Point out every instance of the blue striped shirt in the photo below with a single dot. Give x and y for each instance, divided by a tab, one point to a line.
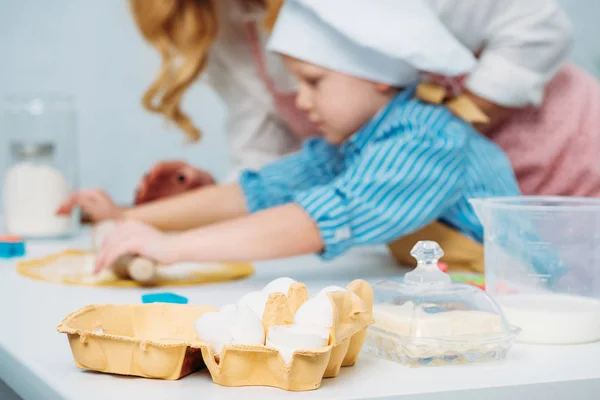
410	165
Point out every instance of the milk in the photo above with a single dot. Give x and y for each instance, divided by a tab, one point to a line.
553	318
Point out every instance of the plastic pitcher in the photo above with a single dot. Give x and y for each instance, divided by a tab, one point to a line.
542	256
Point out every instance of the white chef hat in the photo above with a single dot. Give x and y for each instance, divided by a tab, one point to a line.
386	41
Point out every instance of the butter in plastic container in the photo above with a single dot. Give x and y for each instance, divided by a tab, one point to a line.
427	319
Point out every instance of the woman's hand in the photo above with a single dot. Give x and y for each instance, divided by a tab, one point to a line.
169	178
94	202
139	239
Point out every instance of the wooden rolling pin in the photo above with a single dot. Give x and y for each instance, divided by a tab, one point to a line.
139	269
128	266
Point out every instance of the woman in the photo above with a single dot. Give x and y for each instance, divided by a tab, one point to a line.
223	40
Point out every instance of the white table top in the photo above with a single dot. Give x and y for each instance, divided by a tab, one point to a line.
36	361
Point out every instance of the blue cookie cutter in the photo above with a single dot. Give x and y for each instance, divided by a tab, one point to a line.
165	297
11	247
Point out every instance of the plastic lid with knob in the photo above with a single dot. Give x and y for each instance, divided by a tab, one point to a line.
426	318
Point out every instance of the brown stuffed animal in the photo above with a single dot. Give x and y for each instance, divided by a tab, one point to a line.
170	178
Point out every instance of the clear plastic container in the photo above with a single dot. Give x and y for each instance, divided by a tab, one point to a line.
542	265
427	319
42	166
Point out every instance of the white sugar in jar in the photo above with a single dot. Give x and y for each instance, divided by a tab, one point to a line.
42	169
32	195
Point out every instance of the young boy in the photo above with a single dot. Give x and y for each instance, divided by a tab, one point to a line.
386	166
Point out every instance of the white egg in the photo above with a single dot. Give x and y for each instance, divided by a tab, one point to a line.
213	328
279	285
256	301
331	289
228	308
316	311
290	338
232	325
300	336
247	328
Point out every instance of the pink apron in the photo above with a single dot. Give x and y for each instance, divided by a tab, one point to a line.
555	149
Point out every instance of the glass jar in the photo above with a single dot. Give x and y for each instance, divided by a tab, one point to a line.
41	167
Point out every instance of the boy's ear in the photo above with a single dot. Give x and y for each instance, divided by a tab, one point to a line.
382	88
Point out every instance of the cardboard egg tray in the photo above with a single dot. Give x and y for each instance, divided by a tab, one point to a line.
159	341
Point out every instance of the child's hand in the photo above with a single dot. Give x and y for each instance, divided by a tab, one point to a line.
94	202
137	238
169	178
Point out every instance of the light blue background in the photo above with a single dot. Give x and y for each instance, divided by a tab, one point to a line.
93	50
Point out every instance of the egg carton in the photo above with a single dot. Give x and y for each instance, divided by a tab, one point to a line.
147	340
159	341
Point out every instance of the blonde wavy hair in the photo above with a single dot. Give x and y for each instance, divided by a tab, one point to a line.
183	32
